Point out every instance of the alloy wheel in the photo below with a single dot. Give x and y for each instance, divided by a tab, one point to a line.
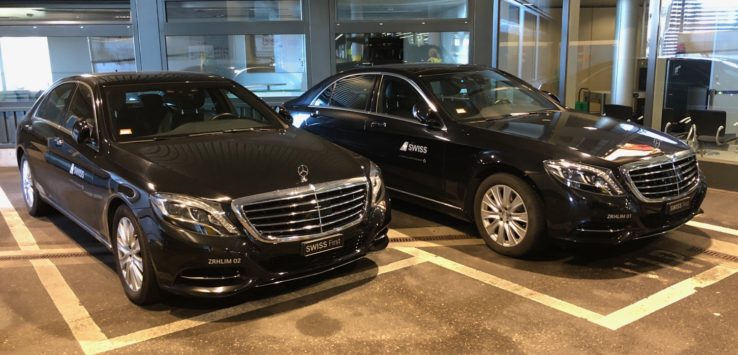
129	254
504	215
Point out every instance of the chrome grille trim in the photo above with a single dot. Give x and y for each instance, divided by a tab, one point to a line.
306	212
663	178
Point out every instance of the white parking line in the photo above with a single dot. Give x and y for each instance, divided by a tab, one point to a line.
425	232
18	229
665	297
713	227
178	326
84	329
44	253
503	284
612	321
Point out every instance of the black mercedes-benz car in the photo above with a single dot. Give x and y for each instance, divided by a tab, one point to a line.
483	145
195	184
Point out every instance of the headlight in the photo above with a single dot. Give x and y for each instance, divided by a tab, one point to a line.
583	177
194	214
376	183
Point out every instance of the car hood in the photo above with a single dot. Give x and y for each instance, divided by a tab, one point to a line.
596	136
232	165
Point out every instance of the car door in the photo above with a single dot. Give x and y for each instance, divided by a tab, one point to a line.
45	129
83	187
339	113
410	153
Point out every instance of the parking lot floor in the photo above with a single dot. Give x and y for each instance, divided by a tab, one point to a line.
436	289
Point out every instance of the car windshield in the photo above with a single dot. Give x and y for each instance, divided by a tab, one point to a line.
484	95
165	110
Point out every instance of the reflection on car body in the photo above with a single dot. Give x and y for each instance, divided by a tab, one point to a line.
195	184
483	145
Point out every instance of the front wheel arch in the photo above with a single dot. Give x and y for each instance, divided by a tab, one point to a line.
486	171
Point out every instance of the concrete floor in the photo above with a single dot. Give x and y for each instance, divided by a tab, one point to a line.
436	289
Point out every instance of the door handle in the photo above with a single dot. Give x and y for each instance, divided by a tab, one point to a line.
374	124
314	113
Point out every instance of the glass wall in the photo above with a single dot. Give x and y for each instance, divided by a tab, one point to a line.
269	65
366	49
698	57
259	44
530	41
209	11
53	58
351	10
65	12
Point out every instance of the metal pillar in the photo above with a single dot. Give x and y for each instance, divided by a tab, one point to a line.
624	58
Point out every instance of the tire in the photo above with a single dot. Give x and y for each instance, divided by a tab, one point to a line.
132	259
517	229
37	207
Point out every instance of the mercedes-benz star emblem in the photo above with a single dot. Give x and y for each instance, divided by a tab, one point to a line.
303	171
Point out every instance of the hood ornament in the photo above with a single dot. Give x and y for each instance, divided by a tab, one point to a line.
303	171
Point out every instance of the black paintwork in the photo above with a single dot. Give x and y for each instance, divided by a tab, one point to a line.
461	154
88	181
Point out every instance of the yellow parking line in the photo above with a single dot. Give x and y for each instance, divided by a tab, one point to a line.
178	326
18	229
713	227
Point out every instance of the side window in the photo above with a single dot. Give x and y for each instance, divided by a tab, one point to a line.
398	97
81	107
325	97
54	108
353	92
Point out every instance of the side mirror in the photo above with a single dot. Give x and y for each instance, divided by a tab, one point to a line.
82	131
553	97
421	112
284	114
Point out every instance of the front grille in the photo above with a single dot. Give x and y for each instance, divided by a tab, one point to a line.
305	212
662	179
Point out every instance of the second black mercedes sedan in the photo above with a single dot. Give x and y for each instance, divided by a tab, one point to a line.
483	145
195	184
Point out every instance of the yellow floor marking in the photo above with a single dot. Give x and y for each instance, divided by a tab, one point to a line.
713	227
84	329
18	229
159	331
503	284
665	297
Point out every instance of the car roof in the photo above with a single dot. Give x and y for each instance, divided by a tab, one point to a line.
419	69
144	78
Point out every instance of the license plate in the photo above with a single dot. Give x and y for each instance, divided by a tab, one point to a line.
677	206
321	245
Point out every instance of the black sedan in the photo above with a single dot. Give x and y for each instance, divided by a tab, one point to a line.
483	145
195	184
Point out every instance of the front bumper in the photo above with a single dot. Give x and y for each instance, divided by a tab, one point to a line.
192	264
583	217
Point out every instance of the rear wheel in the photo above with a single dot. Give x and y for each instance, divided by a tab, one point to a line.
509	215
36	206
132	261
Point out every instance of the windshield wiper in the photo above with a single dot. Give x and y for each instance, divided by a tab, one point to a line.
232	130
